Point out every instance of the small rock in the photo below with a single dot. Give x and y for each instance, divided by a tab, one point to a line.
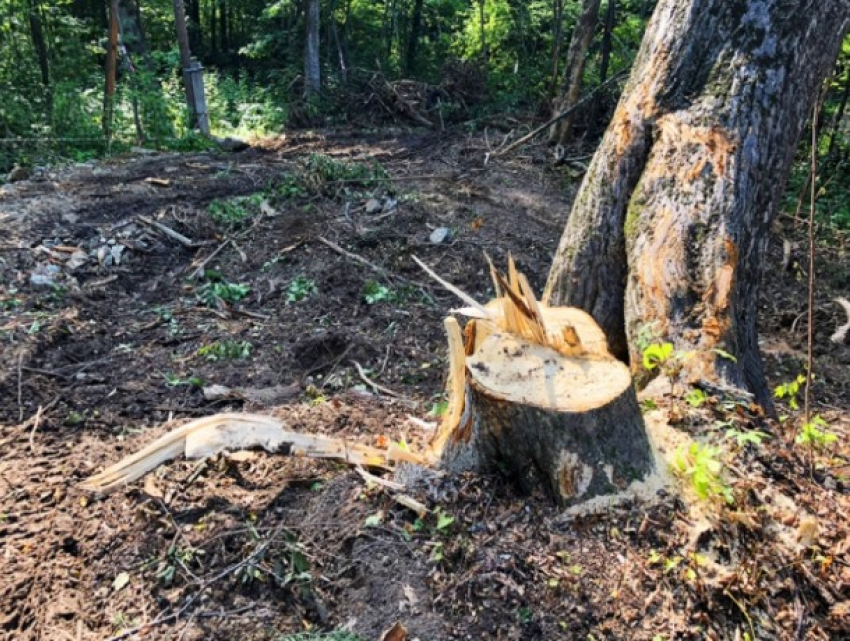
45	276
373	206
77	260
439	235
115	252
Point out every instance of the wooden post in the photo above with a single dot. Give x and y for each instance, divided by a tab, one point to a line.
195	75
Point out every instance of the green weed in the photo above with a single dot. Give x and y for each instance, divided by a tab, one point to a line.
701	466
299	289
226	350
213	294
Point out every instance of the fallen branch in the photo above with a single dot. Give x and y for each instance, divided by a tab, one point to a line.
581	103
180	238
359	259
196	274
211	435
373	384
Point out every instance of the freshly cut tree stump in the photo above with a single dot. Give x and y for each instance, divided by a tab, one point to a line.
535	394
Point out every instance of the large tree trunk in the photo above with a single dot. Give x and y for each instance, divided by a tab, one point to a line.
670	225
576	55
413	40
312	71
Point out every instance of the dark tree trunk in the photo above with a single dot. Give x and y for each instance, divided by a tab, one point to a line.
670	225
604	63
193	12
413	41
312	69
111	68
561	131
185	59
223	33
558	37
132	33
39	42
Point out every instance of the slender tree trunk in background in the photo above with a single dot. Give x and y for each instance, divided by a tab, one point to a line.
839	115
312	69
670	226
604	64
222	30
558	37
413	41
39	43
561	131
111	68
185	60
213	30
340	53
193	9
482	25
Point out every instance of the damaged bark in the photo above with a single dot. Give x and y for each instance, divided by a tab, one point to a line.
669	229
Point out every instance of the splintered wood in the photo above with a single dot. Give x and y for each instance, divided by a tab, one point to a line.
534	391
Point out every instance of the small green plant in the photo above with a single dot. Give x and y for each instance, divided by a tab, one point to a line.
814	433
299	289
374	292
657	355
746	437
173	380
226	350
696	398
790	391
213	294
232	212
701	466
647	405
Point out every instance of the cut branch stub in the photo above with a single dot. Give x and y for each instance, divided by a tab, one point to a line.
562	415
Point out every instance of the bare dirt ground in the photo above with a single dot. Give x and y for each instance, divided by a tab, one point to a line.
100	346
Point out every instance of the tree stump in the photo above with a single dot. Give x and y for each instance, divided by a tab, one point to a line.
566	419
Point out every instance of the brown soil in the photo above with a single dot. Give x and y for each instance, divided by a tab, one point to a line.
259	547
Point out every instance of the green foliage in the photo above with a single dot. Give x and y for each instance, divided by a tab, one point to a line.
696	398
701	466
657	355
226	350
232	212
814	433
790	390
215	293
374	292
299	289
746	437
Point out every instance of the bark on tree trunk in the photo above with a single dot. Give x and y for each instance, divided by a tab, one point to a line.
312	72
558	18
561	131
670	225
413	41
565	419
111	69
185	59
604	62
39	43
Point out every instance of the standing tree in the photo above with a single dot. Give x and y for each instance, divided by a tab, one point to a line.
670	227
561	131
312	70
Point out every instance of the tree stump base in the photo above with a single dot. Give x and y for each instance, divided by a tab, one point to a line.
569	423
